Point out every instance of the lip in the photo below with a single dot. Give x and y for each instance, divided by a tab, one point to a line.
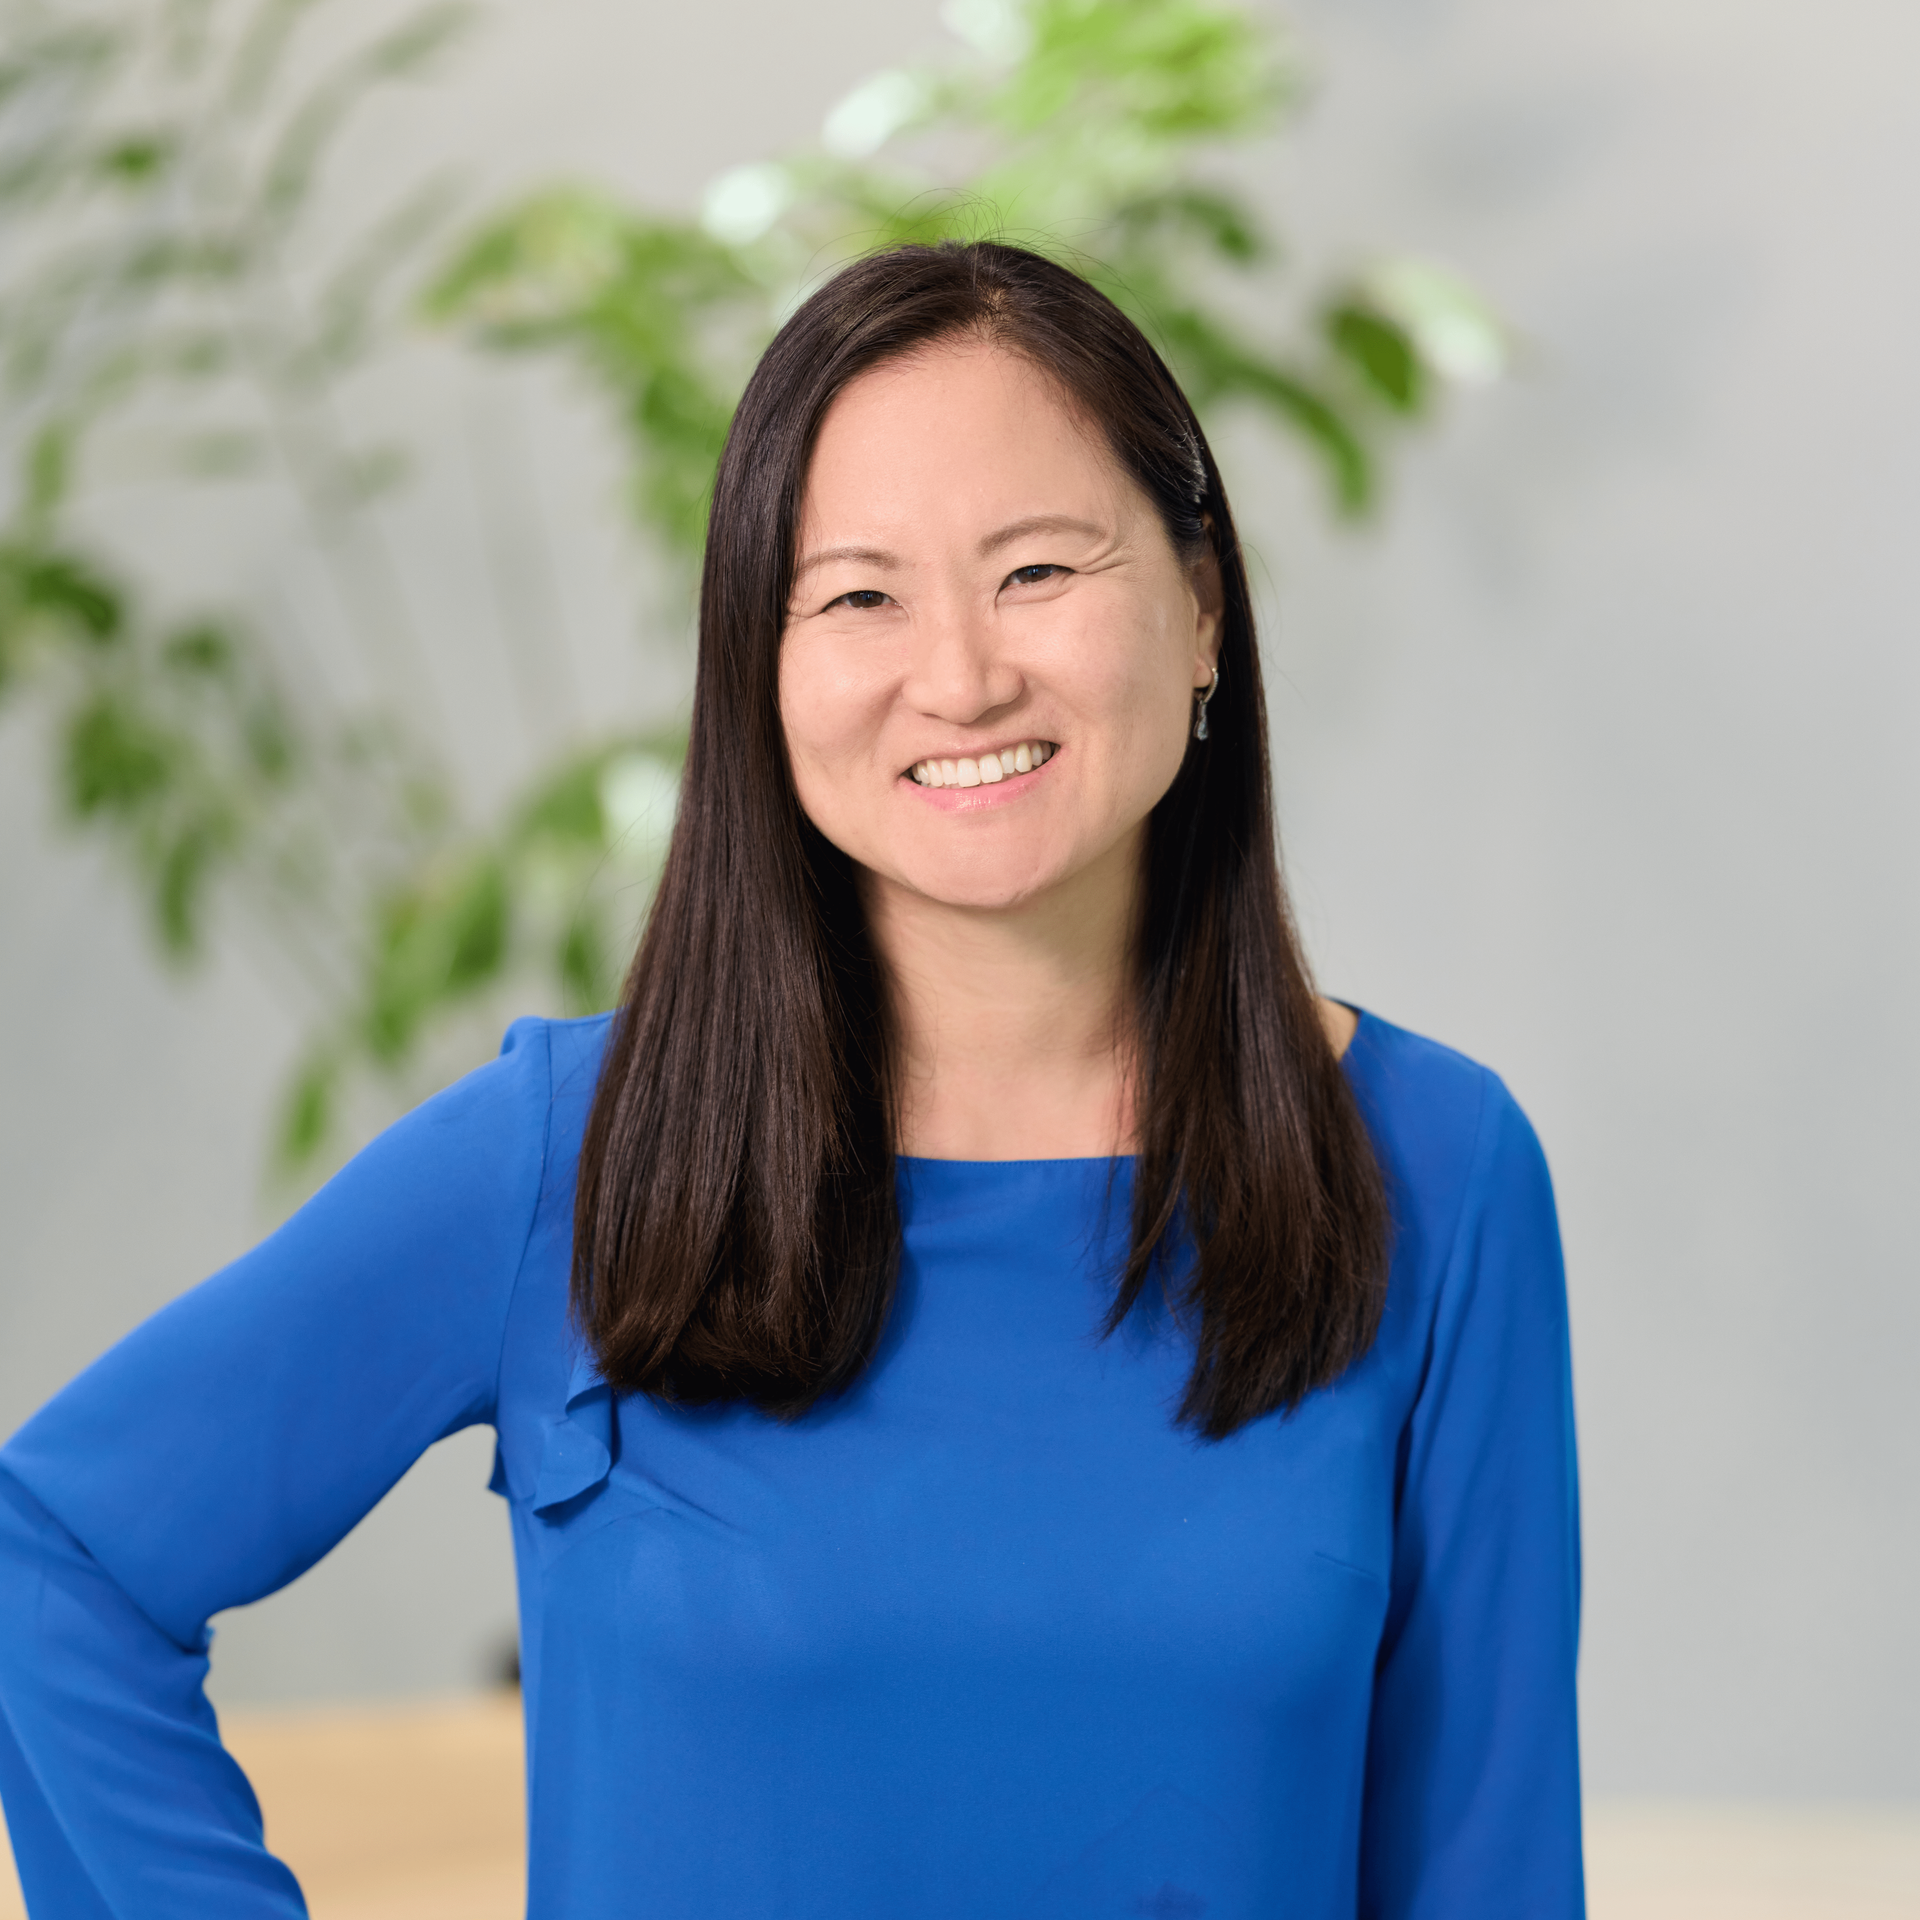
979	799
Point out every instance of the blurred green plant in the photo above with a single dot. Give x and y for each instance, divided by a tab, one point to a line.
1093	130
170	304
165	281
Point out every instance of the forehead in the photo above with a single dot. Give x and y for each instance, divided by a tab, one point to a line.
959	430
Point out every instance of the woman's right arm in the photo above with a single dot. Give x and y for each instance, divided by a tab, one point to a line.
120	1798
214	1455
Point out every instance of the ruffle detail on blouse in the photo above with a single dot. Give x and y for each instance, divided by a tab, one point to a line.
578	1453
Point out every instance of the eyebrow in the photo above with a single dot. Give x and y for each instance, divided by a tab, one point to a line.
1037	523
1005	537
867	556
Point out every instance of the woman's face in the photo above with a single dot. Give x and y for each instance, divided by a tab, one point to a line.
979	581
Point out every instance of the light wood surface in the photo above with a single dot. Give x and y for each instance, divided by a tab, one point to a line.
413	1813
1680	1860
386	1813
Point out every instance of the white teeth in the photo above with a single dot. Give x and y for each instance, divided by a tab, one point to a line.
988	771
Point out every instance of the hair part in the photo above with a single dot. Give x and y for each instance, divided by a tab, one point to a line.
737	1232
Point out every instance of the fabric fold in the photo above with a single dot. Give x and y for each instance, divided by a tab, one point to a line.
577	1454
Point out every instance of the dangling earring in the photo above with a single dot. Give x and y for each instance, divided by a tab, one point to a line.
1200	704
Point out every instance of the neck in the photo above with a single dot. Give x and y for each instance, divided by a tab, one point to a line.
1011	1022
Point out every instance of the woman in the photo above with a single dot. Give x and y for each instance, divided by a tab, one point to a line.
1008	1405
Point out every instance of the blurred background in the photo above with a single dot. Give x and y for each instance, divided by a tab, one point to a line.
363	372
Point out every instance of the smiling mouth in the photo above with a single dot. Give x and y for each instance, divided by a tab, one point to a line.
987	771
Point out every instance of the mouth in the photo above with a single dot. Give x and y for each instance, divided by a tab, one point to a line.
984	770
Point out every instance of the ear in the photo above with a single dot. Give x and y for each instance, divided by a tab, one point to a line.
1210	600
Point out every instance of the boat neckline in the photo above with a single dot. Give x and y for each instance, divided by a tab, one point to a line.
1362	1016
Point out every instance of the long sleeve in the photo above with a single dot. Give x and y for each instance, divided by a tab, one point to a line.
120	1798
1473	1792
214	1455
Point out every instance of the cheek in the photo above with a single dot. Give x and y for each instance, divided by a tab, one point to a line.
1130	671
813	708
831	706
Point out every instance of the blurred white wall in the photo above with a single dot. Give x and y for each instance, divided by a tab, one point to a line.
1602	765
1597	761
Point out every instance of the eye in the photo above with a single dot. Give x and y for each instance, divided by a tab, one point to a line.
1032	576
861	599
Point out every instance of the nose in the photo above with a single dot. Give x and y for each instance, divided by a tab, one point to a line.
959	671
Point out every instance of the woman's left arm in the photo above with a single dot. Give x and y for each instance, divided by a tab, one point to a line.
1473	1773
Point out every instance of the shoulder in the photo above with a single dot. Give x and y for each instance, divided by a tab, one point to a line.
525	1110
1450	1135
545	1073
484	1152
572	1049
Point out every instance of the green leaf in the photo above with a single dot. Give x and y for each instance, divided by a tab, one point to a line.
137	159
271	750
1175	70
204	651
1380	351
534	268
567	807
1343	454
1222	222
184	870
307	1111
1216	369
116	760
67	591
1452	328
652	306
588	982
49	468
439	942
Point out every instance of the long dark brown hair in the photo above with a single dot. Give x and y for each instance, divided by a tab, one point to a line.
736	1231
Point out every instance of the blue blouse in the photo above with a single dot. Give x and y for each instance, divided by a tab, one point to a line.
986	1637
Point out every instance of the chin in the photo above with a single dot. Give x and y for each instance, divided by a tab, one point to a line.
982	886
